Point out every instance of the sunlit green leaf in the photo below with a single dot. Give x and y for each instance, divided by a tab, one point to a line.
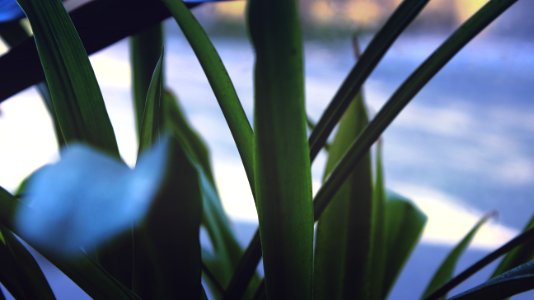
76	98
220	82
404	224
281	160
345	231
446	269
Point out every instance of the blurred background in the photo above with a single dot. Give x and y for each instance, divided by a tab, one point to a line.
461	149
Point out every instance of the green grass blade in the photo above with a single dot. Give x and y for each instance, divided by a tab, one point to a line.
281	160
446	269
404	224
20	273
517	280
404	94
145	52
392	108
152	118
344	240
220	82
379	45
76	98
172	230
519	240
519	255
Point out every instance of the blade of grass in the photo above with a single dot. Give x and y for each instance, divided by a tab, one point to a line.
344	237
389	112
519	255
281	161
172	230
76	97
20	273
379	45
521	239
152	117
517	280
446	269
220	82
404	224
145	51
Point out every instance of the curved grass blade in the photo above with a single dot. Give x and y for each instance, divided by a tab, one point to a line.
76	97
220	82
446	269
20	273
388	113
517	280
145	52
404	224
281	160
152	118
344	238
379	45
519	255
83	271
521	239
404	94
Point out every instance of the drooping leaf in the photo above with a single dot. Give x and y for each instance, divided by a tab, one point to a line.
517	280
344	239
20	273
145	51
87	198
152	118
519	255
446	269
220	82
76	98
404	224
281	160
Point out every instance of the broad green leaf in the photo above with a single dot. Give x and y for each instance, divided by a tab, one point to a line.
83	271
76	97
220	82
517	280
20	273
404	94
145	51
281	160
152	118
379	45
446	269
404	224
172	229
344	240
226	251
378	255
519	255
